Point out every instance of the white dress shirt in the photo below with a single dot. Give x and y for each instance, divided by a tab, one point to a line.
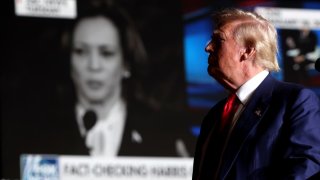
246	90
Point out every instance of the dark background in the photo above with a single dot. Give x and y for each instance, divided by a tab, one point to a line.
33	74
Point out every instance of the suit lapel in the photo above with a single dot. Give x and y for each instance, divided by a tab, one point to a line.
247	122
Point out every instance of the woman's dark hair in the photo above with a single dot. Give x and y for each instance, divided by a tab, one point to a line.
134	53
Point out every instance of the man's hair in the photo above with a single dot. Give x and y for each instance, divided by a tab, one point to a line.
253	31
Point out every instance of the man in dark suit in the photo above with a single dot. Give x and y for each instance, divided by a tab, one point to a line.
266	129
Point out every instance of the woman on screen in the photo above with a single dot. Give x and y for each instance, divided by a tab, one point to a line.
108	64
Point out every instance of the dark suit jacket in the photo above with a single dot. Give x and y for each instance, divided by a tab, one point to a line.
277	136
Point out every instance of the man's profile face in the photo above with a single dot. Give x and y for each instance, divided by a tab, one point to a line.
224	55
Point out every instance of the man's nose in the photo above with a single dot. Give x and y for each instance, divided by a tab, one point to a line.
209	47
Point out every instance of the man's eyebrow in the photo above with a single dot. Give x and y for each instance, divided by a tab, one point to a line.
217	31
218	34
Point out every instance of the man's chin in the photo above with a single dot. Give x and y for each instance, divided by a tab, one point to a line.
212	72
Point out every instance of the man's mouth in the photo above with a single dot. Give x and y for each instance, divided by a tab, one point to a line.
211	60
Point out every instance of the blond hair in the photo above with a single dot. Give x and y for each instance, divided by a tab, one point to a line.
253	31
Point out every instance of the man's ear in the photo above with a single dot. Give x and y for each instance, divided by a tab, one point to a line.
248	53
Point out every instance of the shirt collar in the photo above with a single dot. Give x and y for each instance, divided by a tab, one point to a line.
246	90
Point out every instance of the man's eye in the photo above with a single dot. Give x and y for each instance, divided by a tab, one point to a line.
219	39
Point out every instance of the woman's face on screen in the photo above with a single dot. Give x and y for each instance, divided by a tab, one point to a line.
96	59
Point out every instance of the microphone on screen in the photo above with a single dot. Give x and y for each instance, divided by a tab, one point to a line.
89	119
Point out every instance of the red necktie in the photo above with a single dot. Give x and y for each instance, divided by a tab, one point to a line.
230	108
